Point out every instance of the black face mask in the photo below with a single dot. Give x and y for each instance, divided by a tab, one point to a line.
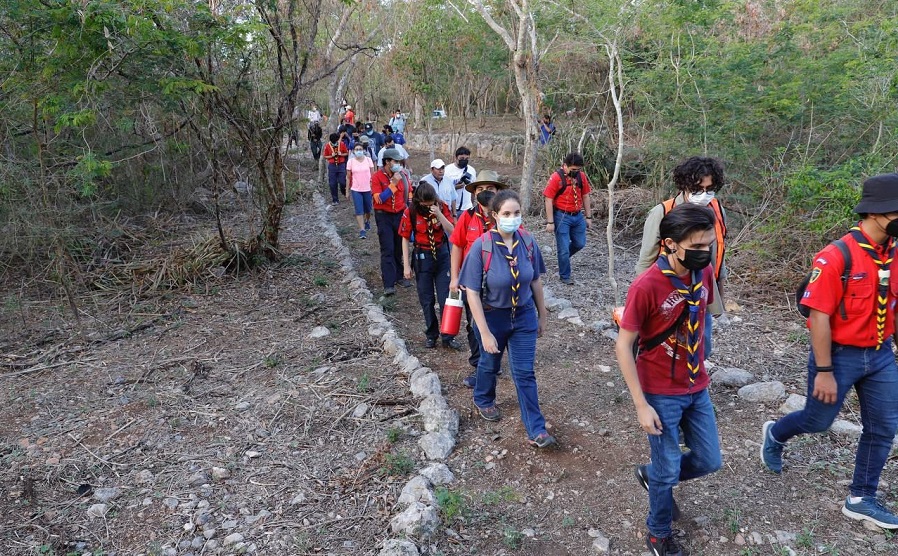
462	163
574	173
485	198
695	259
892	228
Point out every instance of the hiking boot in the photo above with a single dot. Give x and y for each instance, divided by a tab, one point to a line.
771	450
490	413
405	283
452	343
642	477
567	281
542	440
667	546
470	381
389	291
870	509
430	343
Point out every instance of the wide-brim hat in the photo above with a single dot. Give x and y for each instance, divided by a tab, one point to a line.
364	140
393	154
880	195
486	177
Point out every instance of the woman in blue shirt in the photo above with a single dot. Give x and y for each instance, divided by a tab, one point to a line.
501	277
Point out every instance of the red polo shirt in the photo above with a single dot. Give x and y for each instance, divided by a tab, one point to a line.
383	198
571	200
824	293
422	223
468	228
341	152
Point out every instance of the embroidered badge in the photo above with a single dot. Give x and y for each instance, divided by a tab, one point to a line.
814	275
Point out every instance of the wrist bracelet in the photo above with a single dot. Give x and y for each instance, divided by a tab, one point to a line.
826	369
552	223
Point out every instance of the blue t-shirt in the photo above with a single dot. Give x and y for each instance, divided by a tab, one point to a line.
498	279
545	132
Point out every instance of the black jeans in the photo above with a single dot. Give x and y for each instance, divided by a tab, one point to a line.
390	246
432	281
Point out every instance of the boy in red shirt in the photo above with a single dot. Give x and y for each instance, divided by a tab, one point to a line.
568	212
336	153
852	324
665	308
430	222
389	195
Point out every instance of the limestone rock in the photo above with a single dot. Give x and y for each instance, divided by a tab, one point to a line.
438	474
426	384
319	332
557	304
569	313
795	402
106	494
436	420
732	377
418	489
397	547
762	392
846	428
437	445
360	410
97	510
418	520
601	544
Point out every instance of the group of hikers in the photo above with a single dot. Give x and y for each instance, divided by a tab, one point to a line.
458	232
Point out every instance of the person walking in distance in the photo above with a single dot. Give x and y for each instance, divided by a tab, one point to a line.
851	296
472	224
667	380
698	179
425	230
389	195
335	154
501	278
568	211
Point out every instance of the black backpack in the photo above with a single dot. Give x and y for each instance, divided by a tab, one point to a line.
799	293
563	187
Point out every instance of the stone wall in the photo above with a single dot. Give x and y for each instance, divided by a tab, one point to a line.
504	149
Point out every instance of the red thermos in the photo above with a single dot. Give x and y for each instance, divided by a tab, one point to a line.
451	320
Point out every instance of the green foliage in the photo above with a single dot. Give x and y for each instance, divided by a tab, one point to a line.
452	504
398	465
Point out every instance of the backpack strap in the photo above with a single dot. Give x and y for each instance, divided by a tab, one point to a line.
563	187
486	255
846	274
655	341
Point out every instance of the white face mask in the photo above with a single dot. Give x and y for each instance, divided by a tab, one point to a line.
701	199
509	225
360	154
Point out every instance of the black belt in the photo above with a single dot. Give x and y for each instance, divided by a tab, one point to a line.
570	213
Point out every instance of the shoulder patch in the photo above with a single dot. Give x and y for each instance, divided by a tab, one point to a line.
820	260
815	273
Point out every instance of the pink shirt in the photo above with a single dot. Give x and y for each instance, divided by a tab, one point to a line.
360	170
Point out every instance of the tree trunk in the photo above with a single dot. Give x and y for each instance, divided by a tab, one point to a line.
525	79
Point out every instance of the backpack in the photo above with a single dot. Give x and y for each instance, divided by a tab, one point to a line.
398	138
846	274
486	253
563	187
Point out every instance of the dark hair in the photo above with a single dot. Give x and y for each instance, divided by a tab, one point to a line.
388	138
684	220
462	150
691	171
500	197
334	137
547	117
424	193
388	128
574	159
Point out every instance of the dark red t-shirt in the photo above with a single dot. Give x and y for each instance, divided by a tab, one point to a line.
341	151
468	228
653	304
422	238
824	293
383	198
571	200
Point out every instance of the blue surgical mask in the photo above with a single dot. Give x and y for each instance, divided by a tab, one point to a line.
509	225
360	154
395	168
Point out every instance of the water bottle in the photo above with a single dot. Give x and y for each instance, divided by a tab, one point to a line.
451	320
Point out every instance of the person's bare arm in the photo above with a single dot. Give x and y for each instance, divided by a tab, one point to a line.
645	413
825	388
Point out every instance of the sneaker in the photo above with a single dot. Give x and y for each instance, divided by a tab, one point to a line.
771	449
490	413
642	477
389	291
470	381
667	546
567	281
452	343
542	440
430	343
405	283
367	225
362	234
335	203
870	509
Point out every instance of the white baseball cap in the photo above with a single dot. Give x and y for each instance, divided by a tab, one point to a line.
438	163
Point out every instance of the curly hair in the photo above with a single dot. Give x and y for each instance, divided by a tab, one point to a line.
691	171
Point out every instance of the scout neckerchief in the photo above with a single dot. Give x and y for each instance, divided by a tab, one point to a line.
512	267
693	296
882	296
483	219
573	187
430	220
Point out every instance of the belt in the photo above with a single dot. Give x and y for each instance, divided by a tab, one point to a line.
424	252
389	211
570	213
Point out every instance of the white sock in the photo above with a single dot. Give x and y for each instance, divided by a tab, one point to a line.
854	499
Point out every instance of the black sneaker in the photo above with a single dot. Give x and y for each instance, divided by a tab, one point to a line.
430	343
452	343
405	283
643	478
664	547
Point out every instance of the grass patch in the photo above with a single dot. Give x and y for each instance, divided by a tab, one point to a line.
452	504
397	465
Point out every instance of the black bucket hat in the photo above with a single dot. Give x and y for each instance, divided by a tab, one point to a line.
880	195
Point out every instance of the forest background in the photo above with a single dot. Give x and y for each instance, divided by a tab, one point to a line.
114	109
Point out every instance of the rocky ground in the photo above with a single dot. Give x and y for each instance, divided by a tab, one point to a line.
256	414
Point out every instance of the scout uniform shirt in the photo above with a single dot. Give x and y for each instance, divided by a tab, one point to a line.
384	199
471	225
340	150
429	233
571	199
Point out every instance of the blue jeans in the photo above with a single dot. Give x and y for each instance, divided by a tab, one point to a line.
709	325
874	376
694	413
432	281
519	336
362	202
336	177
570	237
390	246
